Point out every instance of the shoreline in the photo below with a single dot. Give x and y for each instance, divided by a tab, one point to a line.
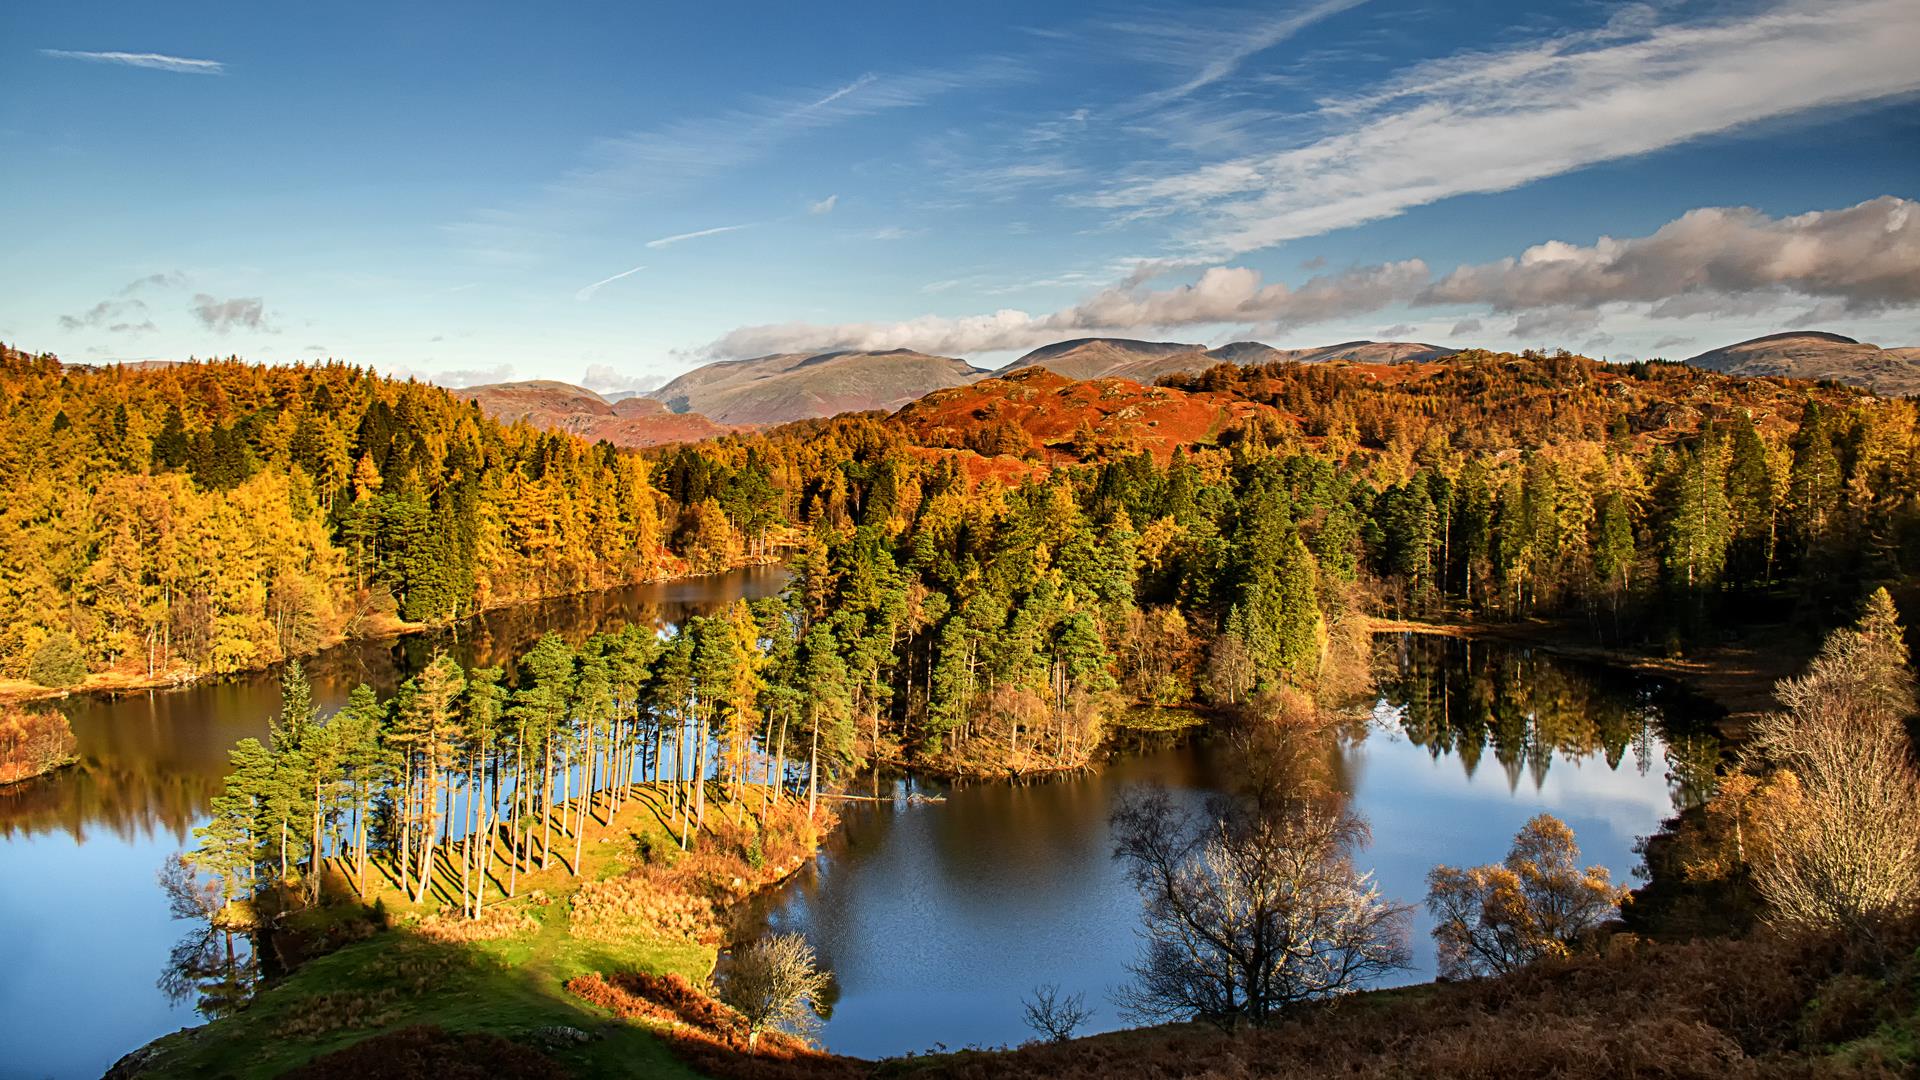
115	683
1737	676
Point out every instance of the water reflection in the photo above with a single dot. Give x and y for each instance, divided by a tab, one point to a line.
213	971
1464	699
150	762
937	919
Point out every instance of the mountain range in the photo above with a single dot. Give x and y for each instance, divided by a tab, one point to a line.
1145	361
734	395
796	386
1813	354
557	406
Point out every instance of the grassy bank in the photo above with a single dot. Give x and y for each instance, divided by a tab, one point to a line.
505	974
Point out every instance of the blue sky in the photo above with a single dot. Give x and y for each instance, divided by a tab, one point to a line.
611	193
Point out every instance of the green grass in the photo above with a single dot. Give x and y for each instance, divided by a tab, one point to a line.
511	987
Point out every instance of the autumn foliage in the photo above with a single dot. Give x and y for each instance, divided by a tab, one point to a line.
32	741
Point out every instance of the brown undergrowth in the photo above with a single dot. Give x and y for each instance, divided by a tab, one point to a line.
687	895
1768	1008
1763	1007
706	1034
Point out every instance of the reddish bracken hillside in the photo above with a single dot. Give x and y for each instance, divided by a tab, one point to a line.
558	406
1034	412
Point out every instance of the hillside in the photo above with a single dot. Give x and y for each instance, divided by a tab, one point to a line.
1091	358
1814	354
1039	413
557	406
1145	361
798	386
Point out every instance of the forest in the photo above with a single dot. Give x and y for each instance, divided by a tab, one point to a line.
990	610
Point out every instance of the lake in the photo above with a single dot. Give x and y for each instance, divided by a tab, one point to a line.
934	918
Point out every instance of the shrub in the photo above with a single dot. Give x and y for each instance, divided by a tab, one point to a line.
1490	920
773	982
58	662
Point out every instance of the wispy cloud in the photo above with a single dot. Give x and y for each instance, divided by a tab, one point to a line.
1214	48
1490	121
172	279
670	157
116	316
669	241
824	206
1863	259
157	61
587	293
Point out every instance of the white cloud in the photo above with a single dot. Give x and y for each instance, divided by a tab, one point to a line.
587	292
607	379
157	61
1221	294
824	206
1861	259
1490	121
1734	260
461	378
668	241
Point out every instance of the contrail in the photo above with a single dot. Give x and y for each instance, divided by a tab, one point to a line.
157	61
666	240
587	293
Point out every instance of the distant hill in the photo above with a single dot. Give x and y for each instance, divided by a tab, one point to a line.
1091	358
1040	414
558	406
1145	361
1369	352
798	386
1815	354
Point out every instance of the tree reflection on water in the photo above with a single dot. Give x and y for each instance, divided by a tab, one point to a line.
1457	698
215	966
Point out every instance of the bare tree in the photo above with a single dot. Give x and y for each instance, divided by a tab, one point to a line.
1053	1016
1848	854
773	983
1247	915
1489	920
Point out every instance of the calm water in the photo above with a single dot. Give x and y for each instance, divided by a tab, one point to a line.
936	919
84	929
